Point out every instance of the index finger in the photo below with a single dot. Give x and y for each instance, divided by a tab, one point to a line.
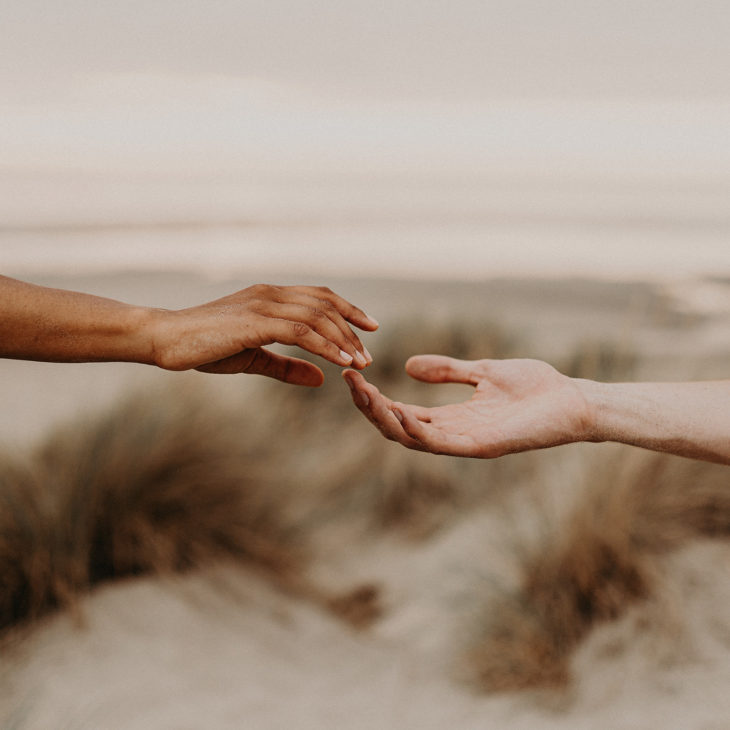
376	408
349	311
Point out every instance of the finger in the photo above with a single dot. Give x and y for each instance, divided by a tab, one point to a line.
431	438
366	391
323	318
362	391
302	335
442	369
259	361
331	311
349	311
420	412
376	409
287	369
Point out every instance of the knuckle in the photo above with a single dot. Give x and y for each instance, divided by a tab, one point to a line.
261	293
300	329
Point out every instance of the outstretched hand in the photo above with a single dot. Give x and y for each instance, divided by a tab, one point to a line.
517	405
229	334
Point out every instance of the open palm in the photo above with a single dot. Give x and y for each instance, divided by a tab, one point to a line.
517	405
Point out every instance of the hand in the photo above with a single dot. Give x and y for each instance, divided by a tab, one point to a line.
517	405
228	335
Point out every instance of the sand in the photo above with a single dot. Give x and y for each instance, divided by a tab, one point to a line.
224	651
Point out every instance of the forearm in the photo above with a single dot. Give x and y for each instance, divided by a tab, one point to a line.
687	419
41	323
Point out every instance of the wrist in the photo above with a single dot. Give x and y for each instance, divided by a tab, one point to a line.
597	399
169	336
147	327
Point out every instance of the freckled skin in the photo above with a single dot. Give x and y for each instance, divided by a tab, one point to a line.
520	405
227	336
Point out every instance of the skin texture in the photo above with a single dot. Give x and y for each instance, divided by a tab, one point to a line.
520	405
228	335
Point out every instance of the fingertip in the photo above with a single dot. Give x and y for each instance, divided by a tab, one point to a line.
357	385
416	365
299	372
363	321
350	376
311	378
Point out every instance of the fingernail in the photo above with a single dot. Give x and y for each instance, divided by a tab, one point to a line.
398	415
373	320
360	358
347	359
365	399
367	354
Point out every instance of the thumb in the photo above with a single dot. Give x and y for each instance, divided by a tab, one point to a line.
260	361
442	369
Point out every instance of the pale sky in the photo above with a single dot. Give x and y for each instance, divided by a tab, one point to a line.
156	111
285	86
402	48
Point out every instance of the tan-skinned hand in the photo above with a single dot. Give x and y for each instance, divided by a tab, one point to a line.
228	335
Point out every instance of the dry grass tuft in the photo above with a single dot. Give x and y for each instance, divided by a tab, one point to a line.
600	360
360	607
155	485
27	582
597	564
417	497
680	499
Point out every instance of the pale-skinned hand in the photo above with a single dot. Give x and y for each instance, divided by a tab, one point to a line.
517	405
229	334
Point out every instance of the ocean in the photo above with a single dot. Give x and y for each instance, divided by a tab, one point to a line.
405	227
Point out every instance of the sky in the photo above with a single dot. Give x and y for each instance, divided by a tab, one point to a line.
426	49
219	87
219	110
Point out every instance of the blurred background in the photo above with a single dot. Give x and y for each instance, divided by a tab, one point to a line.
404	138
500	178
